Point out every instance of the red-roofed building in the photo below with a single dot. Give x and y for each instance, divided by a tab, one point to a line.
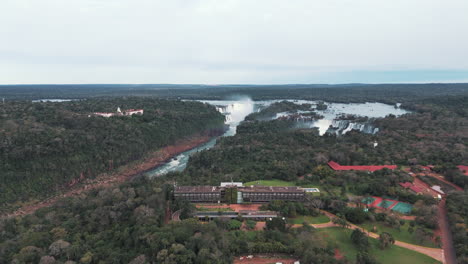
464	169
427	168
406	184
416	189
338	167
412	187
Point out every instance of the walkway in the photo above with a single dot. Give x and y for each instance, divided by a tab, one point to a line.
176	215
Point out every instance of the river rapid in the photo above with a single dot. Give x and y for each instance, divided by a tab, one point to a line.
235	112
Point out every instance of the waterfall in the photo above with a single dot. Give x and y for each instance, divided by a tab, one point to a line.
341	127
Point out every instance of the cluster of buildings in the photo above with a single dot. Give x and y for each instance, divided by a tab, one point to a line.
463	169
412	187
128	112
237	193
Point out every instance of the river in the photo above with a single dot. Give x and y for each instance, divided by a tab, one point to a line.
236	111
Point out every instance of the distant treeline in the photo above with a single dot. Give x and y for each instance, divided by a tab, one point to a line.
46	145
389	93
457	207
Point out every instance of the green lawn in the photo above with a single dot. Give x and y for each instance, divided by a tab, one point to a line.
309	219
402	235
214	209
279	183
340	238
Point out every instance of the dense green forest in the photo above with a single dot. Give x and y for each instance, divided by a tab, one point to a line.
434	134
125	224
457	207
389	93
46	145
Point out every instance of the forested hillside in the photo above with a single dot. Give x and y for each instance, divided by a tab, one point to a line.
457	207
45	146
127	223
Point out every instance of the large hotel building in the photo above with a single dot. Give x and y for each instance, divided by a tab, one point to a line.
254	194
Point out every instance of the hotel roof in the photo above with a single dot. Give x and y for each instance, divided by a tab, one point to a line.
464	169
261	189
197	189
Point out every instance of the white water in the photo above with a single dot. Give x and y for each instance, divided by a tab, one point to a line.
236	111
54	100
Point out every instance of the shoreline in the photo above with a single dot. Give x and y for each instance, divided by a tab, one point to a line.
122	174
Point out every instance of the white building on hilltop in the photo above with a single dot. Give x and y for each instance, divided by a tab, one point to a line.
119	112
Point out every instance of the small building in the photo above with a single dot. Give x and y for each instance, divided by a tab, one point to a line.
311	190
235	184
119	112
427	168
103	114
411	187
130	112
416	189
438	189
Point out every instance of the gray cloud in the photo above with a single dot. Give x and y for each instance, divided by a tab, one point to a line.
229	41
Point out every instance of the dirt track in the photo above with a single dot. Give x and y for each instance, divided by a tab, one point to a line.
434	253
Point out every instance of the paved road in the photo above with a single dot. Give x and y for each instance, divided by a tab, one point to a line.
176	215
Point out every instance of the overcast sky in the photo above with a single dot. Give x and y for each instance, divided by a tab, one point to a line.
233	41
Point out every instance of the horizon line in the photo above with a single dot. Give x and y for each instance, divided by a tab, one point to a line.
243	84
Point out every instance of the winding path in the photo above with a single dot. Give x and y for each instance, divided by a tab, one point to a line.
176	215
435	253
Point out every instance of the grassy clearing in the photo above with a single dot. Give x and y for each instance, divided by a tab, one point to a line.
402	235
278	183
309	219
340	238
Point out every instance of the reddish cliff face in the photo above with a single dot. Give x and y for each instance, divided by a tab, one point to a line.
123	174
